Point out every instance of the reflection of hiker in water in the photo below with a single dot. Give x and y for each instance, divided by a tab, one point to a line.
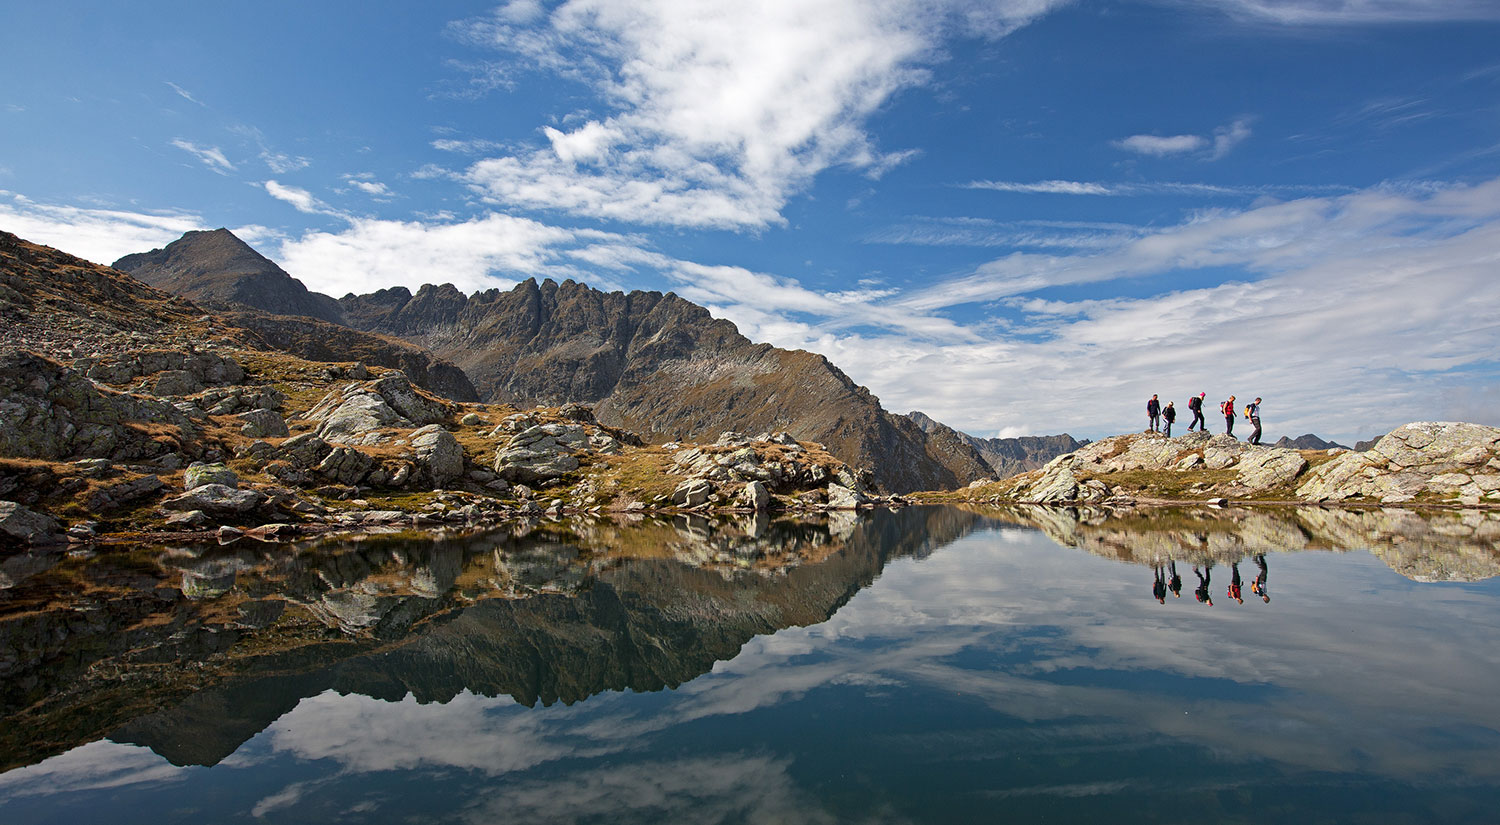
1258	587
1204	579
1159	587
1234	583
1174	581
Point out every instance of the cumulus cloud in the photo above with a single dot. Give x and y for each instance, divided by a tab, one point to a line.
210	156
102	235
721	112
1379	299
485	252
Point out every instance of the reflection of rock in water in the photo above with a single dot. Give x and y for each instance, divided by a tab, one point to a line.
556	615
1443	545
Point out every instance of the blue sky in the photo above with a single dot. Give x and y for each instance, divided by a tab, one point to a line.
1021	216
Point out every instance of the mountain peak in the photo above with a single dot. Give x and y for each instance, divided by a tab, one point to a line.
216	265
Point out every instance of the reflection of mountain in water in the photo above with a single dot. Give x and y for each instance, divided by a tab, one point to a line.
1440	545
192	652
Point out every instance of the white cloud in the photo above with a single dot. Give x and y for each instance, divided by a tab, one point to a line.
282	163
1355	314
1356	12
1162	146
1224	139
366	183
722	111
300	199
96	766
209	156
486	252
102	235
184	93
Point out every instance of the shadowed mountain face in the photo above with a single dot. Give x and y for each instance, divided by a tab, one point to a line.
217	266
661	366
542	618
1005	456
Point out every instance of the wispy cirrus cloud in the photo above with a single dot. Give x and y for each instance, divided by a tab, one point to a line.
184	93
210	156
721	112
1353	12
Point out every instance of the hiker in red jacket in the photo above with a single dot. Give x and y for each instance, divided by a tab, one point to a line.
1227	408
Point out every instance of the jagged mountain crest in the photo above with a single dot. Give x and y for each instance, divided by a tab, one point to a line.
1006	456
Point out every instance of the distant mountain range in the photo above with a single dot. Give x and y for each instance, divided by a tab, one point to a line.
1005	456
1310	442
650	362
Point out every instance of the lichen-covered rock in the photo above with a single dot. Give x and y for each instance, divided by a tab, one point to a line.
217	499
263	423
198	474
1446	459
345	465
755	495
1262	469
691	493
174	382
27	526
124	492
541	453
50	411
197	368
844	498
438	453
305	451
349	413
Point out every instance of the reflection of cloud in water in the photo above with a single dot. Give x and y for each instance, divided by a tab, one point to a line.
725	788
95	766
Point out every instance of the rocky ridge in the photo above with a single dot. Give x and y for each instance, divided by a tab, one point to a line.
1421	463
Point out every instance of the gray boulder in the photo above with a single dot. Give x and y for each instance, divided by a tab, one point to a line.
1261	469
439	453
844	498
1449	460
263	423
755	495
124	492
28	526
693	492
541	453
198	474
345	465
217	499
349	413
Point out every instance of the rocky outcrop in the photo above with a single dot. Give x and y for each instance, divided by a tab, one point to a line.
1440	461
217	499
353	413
438	454
1005	456
198	474
50	411
660	366
541	453
217	266
24	526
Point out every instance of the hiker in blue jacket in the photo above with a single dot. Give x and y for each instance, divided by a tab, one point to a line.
1153	411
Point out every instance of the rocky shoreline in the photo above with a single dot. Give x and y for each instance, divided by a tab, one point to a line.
1422	464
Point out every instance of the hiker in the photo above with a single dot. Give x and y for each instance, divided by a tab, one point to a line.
1227	408
1174	581
1153	411
1205	579
1159	587
1168	415
1195	406
1258	587
1234	584
1252	412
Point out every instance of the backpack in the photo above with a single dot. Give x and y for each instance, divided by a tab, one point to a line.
1226	408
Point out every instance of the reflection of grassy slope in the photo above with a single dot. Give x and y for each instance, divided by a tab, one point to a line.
151	668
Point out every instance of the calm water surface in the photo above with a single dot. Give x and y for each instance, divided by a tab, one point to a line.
926	665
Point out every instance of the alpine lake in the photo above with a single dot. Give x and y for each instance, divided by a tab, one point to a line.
927	664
